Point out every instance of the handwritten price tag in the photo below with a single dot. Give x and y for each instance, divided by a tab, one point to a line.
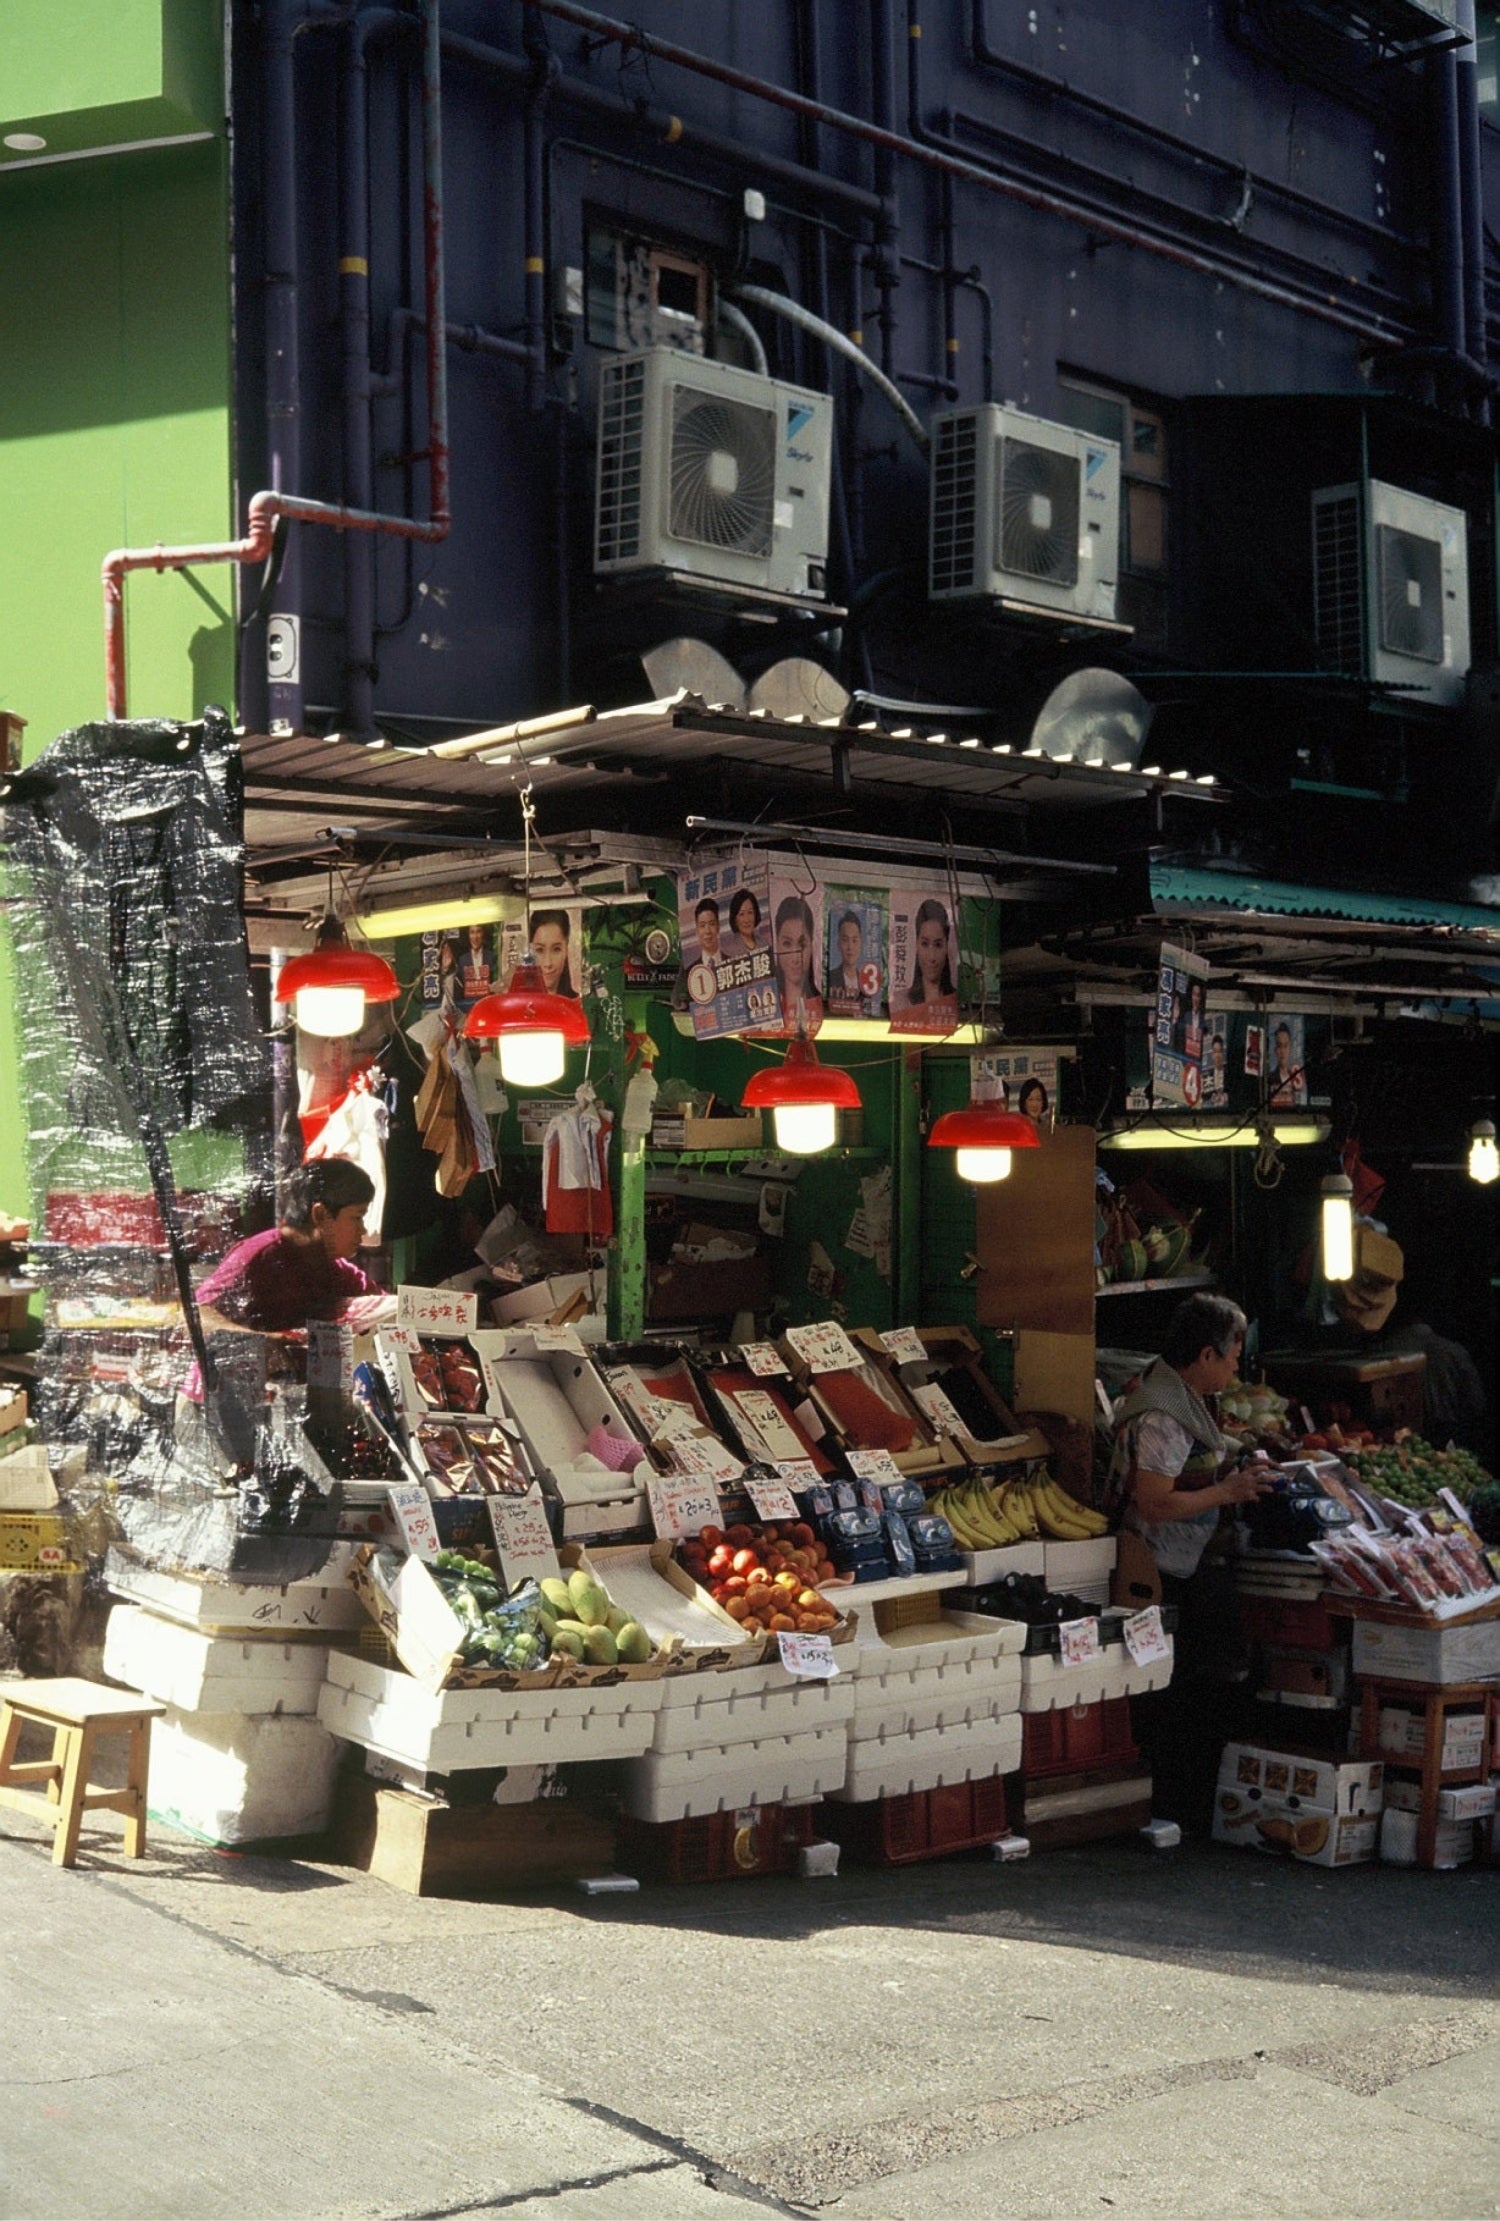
934	1405
705	1457
1144	1636
330	1355
523	1539
798	1472
763	1358
669	1419
411	1508
874	1465
551	1339
905	1345
809	1657
681	1506
772	1499
1078	1641
400	1338
824	1348
437	1310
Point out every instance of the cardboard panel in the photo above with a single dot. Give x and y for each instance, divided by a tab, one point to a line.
1055	1372
1036	1240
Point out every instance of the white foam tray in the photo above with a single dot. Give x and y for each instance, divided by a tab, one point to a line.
1065	1564
928	1758
326	1605
1047	1685
937	1696
231	1779
992	1565
705	1711
196	1672
386	1710
681	1785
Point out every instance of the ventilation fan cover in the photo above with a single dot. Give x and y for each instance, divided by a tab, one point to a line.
723	472
1410	588
1037	514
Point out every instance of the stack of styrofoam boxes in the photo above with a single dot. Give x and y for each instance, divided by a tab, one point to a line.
937	1702
749	1735
238	1756
426	1731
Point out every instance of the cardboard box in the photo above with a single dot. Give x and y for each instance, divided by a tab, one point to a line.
1475	1801
672	1131
1325	1812
427	1635
758	1649
1403	1735
432	1849
304	1608
1297	1778
544	1298
38	1542
1432	1654
1007	1442
985	1566
26	1483
929	1453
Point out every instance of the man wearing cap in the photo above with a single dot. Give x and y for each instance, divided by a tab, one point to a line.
1367	1300
1454	1406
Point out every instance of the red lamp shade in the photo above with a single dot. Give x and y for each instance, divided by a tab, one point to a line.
330	986
535	1029
806	1097
984	1134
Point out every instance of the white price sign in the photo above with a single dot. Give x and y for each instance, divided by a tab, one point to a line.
1078	1641
682	1506
402	1338
905	1345
705	1457
669	1419
1145	1637
523	1540
874	1465
772	1499
763	1358
798	1472
550	1339
411	1508
809	1657
330	1355
934	1405
824	1348
437	1310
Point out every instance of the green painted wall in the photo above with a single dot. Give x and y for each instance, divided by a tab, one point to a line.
93	73
114	431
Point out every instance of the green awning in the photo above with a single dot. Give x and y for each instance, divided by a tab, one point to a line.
1190	887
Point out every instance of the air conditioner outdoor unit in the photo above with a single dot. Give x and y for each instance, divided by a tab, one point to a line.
1024	512
1391	588
712	472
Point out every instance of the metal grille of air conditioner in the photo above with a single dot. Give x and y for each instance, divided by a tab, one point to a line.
1410	588
1338	600
723	472
1036	523
621	422
955	503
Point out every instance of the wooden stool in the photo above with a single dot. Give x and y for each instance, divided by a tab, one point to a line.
76	1712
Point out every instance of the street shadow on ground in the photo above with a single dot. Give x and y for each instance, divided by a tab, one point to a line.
1226	1911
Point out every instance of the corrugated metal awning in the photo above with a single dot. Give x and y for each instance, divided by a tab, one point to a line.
1183	889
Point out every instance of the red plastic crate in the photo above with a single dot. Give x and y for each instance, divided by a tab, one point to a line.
719	1846
1084	1735
924	1824
1304	1624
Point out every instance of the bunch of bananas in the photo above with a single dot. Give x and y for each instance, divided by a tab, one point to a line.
987	1515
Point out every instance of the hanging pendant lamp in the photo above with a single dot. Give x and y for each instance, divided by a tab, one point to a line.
1338	1227
1484	1159
329	987
984	1133
533	1028
804	1097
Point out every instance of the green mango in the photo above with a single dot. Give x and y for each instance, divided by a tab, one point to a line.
556	1597
599	1647
568	1644
589	1601
617	1618
633	1644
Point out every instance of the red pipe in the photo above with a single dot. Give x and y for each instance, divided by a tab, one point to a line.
265	508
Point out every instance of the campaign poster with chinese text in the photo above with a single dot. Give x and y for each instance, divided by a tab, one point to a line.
1179	1032
854	952
1021	1079
723	918
797	972
922	963
1286	1073
552	937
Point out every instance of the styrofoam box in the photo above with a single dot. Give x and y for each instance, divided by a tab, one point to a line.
712	1710
1475	1801
931	1757
557	1399
1403	1733
1047	1685
682	1785
993	1565
1432	1654
1453	1843
938	1673
1065	1564
386	1710
212	1673
326	1605
1091	1592
26	1483
664	1610
233	1779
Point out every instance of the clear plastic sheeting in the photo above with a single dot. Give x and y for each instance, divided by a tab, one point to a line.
123	859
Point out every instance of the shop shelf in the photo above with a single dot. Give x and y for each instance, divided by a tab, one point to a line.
1176	1282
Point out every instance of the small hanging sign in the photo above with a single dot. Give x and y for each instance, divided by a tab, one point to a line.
411	1508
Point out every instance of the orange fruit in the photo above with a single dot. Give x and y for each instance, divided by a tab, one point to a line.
782	1623
738	1607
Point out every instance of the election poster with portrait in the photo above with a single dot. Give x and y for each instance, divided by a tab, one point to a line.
922	963
1022	1080
797	973
854	953
1286	1072
551	936
1179	1030
724	921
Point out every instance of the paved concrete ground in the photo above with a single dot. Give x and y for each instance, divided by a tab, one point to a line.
1104	2031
